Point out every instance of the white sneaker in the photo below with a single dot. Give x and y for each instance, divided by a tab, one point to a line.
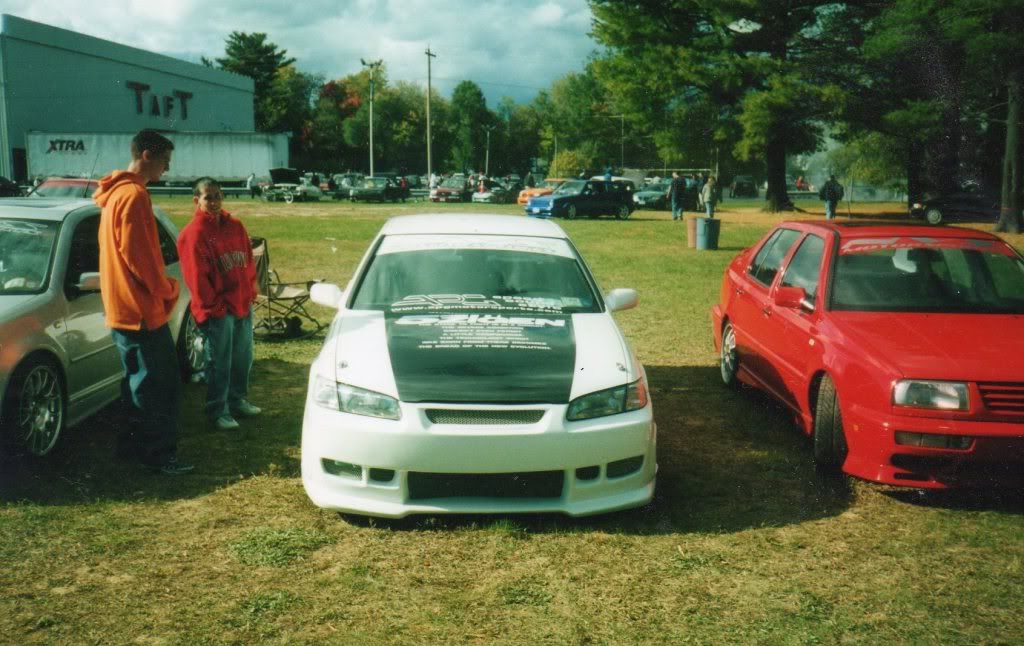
225	423
246	408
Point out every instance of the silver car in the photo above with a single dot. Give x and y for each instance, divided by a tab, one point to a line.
58	362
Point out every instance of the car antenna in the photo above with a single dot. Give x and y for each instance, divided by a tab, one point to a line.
85	189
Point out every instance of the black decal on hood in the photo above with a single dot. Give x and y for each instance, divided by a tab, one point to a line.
482	357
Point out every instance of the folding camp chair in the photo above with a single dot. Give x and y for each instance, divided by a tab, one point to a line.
280	308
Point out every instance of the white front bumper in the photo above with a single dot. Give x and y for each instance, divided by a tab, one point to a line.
414	445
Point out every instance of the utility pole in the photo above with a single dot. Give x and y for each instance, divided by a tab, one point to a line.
373	65
430	165
487	156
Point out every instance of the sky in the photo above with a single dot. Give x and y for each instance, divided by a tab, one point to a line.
508	49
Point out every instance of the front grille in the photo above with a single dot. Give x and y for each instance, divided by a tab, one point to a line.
484	417
531	484
1003	397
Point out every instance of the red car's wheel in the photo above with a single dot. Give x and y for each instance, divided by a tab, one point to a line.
829	440
729	363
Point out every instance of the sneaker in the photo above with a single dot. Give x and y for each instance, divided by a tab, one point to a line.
246	408
225	423
172	467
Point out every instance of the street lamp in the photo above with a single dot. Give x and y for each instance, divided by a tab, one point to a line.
373	65
487	156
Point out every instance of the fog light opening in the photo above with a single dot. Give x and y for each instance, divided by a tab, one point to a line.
382	475
934	440
588	473
622	468
342	469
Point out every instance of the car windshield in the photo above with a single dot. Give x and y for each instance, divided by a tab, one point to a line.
553	183
929	275
26	247
374	182
570	188
64	189
660	186
502	274
454	182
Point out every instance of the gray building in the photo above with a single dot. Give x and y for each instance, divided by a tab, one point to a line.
55	80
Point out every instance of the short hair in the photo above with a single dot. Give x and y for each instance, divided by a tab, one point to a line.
150	140
204	182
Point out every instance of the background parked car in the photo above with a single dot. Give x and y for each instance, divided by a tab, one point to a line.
590	198
9	188
970	203
494	193
65	187
288	186
653	196
743	186
453	189
547	187
375	189
58	362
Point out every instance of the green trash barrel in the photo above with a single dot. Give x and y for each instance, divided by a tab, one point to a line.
707	233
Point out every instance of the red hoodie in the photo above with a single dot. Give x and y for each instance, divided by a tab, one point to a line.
217	265
136	293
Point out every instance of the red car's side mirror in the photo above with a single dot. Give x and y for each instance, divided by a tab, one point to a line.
792	297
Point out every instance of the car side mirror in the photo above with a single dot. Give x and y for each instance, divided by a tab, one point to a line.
621	299
88	282
793	298
326	294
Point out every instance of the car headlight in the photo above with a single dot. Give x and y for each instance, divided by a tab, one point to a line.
918	206
349	399
940	395
612	401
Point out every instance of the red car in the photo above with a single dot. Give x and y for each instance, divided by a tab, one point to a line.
898	347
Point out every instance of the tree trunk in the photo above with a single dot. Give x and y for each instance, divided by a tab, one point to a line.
1009	211
777	198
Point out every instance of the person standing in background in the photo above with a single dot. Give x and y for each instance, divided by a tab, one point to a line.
676	193
709	196
832	192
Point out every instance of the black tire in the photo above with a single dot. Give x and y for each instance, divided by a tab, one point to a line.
728	361
289	197
829	440
570	212
623	212
933	216
35	407
190	348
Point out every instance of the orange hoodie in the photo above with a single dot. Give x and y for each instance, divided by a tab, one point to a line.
136	293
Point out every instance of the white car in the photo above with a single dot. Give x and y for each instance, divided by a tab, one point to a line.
58	362
474	367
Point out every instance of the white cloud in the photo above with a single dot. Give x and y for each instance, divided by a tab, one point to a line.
508	49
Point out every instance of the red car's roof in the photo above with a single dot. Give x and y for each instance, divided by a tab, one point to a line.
870	229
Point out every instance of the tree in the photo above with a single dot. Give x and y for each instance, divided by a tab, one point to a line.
254	56
288	107
469	118
569	163
761	64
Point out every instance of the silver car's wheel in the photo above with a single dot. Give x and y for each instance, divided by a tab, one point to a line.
729	362
191	348
933	216
35	406
289	197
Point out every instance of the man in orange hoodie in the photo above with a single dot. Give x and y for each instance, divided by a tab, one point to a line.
138	298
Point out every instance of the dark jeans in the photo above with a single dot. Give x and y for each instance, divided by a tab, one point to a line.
150	389
228	344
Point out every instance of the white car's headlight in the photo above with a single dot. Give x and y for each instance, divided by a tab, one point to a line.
349	399
608	402
940	395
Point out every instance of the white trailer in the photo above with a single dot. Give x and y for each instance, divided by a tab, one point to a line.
227	156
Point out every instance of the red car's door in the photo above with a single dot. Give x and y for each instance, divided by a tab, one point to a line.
790	333
750	307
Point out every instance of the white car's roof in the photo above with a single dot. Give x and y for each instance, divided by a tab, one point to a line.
472	223
41	208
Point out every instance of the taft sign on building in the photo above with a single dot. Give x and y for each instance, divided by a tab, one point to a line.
59	81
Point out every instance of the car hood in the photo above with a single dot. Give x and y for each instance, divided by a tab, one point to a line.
484	357
649	194
940	346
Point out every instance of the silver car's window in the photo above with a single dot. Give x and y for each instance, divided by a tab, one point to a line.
474	279
26	253
954	276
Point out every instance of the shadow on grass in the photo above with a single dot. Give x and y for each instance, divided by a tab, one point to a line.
728	461
83	467
975	499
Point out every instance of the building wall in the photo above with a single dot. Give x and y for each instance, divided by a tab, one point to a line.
55	80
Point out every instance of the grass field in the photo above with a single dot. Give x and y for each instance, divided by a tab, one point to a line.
743	543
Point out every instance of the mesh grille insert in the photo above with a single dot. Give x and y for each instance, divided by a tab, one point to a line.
488	417
533	484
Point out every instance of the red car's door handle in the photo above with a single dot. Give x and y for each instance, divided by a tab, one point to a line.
767	311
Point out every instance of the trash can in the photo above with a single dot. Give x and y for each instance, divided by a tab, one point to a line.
707	233
691	233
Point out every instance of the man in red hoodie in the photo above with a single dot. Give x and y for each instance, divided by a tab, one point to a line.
218	267
137	301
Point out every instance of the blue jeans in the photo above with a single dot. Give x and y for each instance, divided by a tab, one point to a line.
150	389
830	209
709	208
677	210
228	346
